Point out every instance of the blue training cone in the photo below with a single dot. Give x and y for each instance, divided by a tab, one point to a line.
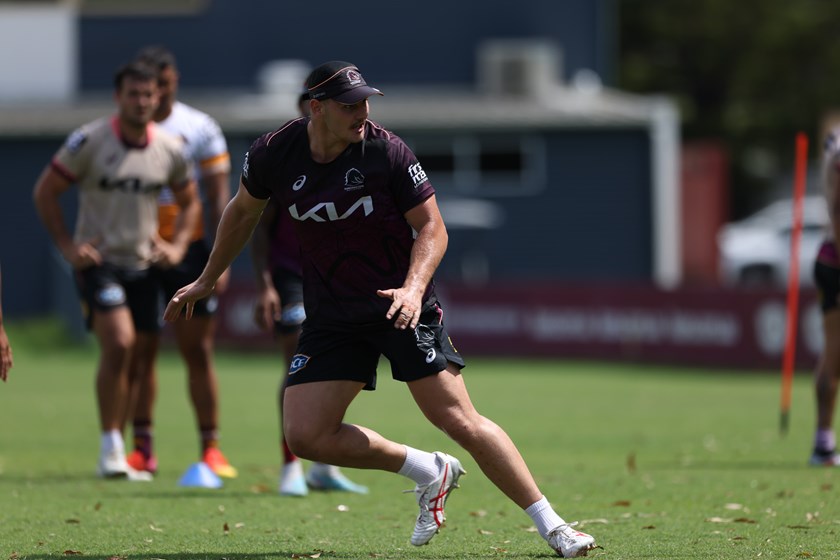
200	475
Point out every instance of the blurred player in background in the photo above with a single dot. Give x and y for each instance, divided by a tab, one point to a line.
6	361
827	277
276	256
120	165
371	237
205	145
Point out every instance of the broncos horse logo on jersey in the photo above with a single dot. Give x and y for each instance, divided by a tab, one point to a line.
353	179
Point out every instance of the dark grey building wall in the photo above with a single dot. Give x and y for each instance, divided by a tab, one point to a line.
25	248
591	222
430	42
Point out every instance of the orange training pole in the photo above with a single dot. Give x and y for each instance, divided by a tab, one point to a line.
793	278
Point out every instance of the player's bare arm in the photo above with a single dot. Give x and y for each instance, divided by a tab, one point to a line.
217	192
235	228
833	197
48	189
189	211
167	254
267	307
832	185
6	360
426	254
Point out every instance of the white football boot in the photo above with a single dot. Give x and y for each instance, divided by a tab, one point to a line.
330	477
568	542
292	481
113	465
824	459
432	498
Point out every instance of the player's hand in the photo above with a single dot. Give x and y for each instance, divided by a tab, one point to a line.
185	298
267	309
405	306
166	254
83	255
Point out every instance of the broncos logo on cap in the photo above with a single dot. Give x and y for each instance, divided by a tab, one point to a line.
354	77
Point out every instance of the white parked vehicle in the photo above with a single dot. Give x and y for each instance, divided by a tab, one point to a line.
755	251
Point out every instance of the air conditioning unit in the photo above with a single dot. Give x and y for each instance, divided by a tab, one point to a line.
285	76
522	68
38	51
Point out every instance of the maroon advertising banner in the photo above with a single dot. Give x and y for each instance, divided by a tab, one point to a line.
703	327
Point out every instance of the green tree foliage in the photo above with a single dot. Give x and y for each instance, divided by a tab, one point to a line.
750	73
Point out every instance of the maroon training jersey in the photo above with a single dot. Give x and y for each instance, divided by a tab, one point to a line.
348	215
283	246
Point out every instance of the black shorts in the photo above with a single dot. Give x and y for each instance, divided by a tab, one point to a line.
326	355
289	286
827	279
175	278
108	287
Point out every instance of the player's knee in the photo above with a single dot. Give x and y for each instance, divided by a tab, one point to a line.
119	346
302	445
464	429
197	355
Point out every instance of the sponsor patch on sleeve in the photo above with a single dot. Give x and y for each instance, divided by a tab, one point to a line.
418	176
75	141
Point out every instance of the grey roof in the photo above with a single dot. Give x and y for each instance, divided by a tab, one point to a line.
418	109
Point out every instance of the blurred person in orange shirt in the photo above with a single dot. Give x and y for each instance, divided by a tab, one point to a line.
206	147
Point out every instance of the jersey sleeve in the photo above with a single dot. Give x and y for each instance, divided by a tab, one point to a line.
409	182
74	156
254	169
212	153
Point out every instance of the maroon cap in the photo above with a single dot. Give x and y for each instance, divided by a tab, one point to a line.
339	80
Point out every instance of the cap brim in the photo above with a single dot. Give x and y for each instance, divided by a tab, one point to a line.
357	94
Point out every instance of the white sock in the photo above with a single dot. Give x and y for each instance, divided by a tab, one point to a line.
544	516
824	440
419	466
112	440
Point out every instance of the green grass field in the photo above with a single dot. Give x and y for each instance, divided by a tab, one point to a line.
655	462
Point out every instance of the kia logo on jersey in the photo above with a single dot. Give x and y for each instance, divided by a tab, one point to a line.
324	211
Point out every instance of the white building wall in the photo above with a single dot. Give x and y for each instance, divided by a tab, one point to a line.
38	51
